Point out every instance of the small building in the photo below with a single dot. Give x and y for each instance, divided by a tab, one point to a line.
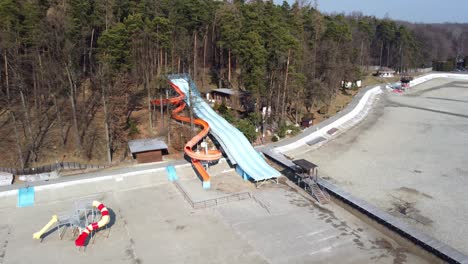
223	94
307	122
386	72
307	169
148	150
349	85
237	99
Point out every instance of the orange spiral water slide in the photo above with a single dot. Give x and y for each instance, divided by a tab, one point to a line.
210	155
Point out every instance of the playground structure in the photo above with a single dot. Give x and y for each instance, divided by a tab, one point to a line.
105	218
86	217
247	161
208	155
52	221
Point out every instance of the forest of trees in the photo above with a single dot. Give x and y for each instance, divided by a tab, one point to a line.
442	42
77	69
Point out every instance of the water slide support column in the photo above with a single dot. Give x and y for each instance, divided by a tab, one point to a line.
206	184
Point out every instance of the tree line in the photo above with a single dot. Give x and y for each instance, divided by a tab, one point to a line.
69	65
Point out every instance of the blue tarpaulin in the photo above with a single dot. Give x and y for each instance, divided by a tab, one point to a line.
26	197
171	173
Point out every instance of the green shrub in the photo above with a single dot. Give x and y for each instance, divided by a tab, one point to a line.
216	106
229	117
132	128
248	129
294	130
274	138
282	129
222	108
226	113
255	118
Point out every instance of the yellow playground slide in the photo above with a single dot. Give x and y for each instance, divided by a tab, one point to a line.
52	221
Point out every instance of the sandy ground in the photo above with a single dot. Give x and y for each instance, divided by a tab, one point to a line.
152	223
408	157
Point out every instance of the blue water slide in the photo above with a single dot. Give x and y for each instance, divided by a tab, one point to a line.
249	163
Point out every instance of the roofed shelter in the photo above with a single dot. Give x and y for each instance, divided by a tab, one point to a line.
148	150
222	94
386	72
231	97
308	168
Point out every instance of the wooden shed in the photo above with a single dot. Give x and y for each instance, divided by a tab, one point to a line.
148	150
385	72
235	99
307	122
223	94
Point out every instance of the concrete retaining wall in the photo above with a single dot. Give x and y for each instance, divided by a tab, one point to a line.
431	76
389	222
322	131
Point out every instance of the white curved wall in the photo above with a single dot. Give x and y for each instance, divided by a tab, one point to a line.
359	107
431	76
321	132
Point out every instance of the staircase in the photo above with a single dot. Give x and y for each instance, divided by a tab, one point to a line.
320	194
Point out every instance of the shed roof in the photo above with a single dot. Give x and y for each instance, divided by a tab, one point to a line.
225	91
386	70
228	91
146	144
307	165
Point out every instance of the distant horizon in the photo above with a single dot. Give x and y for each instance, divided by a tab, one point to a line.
414	11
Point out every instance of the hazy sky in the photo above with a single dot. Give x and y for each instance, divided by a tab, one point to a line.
431	11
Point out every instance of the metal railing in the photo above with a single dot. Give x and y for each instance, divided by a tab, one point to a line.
184	194
222	200
214	201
